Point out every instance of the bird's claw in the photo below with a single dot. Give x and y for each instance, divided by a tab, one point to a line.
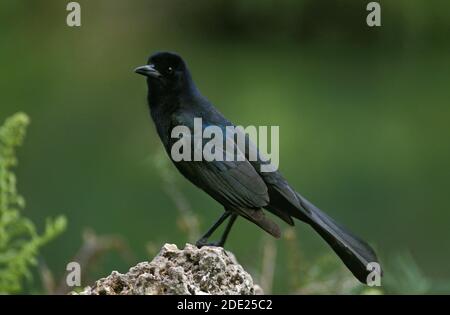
204	242
201	242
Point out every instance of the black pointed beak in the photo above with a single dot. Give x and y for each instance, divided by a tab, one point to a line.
148	71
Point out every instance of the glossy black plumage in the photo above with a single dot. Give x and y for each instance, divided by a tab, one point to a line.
239	186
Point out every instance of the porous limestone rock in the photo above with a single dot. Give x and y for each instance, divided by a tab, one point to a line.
208	270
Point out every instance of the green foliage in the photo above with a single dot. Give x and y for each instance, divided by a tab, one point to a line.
19	239
324	275
406	277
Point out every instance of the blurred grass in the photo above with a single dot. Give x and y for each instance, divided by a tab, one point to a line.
363	117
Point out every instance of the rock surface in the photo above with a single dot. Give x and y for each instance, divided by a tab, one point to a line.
208	270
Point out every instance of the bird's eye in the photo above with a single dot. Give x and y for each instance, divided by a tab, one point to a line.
169	70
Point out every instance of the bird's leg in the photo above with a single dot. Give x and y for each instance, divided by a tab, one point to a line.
223	239
204	239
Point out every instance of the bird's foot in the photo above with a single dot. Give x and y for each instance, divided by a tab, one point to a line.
215	244
201	242
204	242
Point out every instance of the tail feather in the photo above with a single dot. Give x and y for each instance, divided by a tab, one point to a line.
354	252
258	217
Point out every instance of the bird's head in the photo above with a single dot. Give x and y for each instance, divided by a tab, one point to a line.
166	72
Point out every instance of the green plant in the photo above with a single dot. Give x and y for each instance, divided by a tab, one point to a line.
406	277
19	240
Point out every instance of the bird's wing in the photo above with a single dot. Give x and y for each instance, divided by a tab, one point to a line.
283	199
235	184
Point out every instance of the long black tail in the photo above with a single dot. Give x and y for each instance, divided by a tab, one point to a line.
354	252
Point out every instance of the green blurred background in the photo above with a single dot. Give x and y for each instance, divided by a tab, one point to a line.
363	113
